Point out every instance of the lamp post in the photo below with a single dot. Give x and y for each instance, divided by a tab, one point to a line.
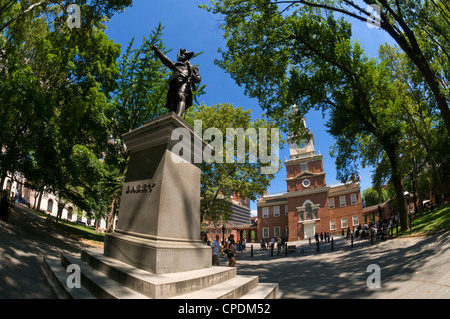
223	234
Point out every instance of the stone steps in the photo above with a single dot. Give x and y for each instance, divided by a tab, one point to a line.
105	277
99	284
56	275
231	289
157	286
264	291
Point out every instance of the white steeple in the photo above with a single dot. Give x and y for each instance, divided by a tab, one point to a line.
304	148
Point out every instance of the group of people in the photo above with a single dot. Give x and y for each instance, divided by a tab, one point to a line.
323	236
280	243
230	248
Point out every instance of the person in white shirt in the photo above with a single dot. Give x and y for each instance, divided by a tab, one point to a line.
215	251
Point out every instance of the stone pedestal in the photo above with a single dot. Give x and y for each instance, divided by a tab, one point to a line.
158	226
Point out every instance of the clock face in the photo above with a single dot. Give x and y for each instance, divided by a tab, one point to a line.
301	144
306	183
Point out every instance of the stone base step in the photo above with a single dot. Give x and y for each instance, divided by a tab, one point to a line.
153	285
231	289
99	284
105	277
263	291
56	276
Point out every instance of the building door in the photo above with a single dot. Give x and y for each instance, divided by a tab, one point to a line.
309	231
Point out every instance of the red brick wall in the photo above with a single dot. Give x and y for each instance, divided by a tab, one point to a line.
271	222
295	169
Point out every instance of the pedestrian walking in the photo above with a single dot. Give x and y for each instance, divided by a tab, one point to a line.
215	251
279	245
231	251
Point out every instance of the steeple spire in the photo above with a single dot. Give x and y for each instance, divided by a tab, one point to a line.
302	148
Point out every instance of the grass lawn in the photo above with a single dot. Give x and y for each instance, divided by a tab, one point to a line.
430	223
78	231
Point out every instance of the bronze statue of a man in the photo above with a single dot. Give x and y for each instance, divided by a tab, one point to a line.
184	77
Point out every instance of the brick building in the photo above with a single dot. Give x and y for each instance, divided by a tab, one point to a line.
309	205
240	224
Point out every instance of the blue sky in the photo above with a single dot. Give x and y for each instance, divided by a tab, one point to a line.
187	26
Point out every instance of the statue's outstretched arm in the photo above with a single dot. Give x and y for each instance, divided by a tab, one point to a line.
164	59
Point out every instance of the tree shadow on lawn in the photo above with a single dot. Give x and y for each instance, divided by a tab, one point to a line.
24	240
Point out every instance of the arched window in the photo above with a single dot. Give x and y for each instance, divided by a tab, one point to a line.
69	213
50	206
308	211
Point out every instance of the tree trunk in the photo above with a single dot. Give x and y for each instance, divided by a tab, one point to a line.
116	198
112	213
396	179
61	206
37	195
40	198
419	197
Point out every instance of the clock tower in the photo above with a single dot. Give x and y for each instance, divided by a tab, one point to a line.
304	167
308	206
306	188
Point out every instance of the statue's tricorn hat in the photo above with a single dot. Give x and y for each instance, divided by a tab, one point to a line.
187	54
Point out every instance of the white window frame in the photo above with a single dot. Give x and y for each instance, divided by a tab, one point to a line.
331	203
265	232
344	225
357	220
342	201
304	167
332	223
277	231
353	198
265	212
276	211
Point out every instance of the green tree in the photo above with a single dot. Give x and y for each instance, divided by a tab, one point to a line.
371	196
239	175
308	59
420	28
416	111
17	12
55	82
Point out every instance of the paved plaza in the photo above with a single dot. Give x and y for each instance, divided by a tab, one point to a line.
414	268
410	268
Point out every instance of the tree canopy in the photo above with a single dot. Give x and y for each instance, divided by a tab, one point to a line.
229	172
55	82
301	53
